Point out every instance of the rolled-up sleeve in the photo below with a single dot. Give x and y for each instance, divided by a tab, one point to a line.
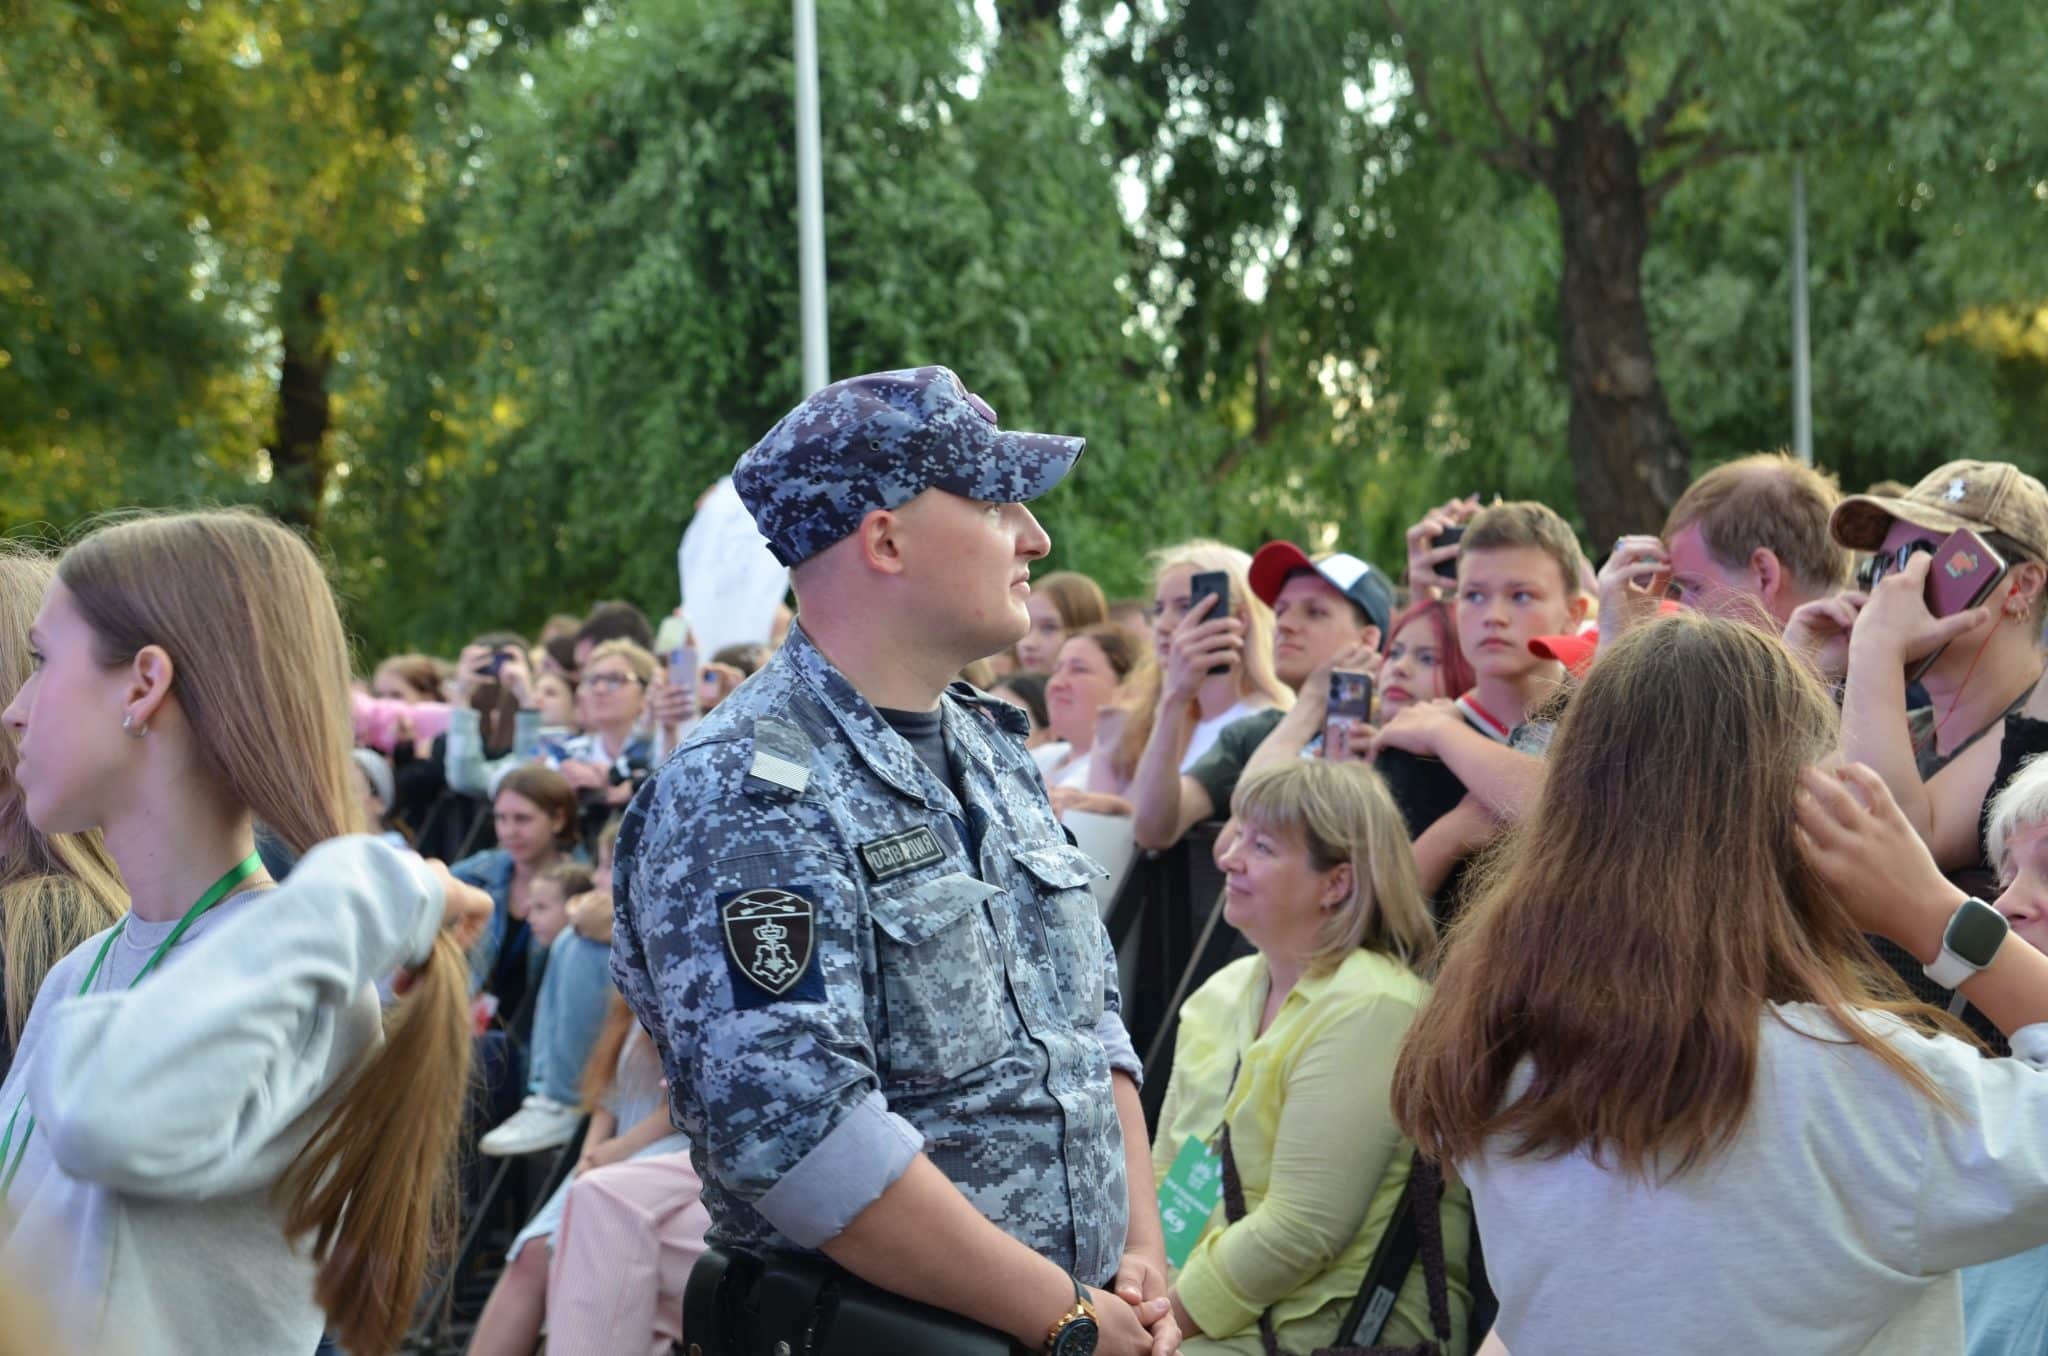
778	1091
857	1160
1116	1043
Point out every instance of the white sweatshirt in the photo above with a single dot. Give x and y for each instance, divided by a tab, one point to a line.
165	1113
1834	1223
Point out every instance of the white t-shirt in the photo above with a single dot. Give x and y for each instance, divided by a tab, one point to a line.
1203	737
1835	1222
1061	766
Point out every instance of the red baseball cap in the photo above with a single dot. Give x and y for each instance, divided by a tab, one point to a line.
1574	651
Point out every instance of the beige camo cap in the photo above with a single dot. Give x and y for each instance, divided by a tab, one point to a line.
1993	496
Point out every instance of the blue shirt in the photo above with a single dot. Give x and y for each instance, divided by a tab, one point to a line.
844	963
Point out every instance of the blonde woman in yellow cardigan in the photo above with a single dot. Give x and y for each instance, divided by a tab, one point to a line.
1293	1049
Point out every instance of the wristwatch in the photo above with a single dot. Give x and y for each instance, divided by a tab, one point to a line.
1075	1334
1971	939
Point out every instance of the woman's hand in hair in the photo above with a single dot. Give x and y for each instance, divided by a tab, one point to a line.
465	913
1818	632
1858	841
465	909
1895	625
1201	642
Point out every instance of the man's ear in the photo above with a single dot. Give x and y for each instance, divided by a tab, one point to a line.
881	548
1371	638
1575	608
1768	570
151	673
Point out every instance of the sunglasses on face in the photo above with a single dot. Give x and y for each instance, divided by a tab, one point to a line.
1882	563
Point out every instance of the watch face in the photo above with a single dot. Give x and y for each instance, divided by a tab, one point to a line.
1976	932
1076	1339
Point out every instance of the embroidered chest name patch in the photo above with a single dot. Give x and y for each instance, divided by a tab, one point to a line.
770	946
899	853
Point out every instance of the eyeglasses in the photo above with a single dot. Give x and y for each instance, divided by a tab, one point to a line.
1882	563
1175	607
609	682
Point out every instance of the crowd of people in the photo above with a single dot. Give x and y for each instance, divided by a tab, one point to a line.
1622	961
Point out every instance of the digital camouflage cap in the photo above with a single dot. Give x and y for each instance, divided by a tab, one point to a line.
877	442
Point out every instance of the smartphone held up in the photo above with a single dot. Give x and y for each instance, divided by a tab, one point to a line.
1966	570
1350	705
1211	584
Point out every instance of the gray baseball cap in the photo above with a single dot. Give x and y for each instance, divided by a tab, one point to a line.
877	442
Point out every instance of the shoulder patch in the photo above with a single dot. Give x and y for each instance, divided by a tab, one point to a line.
771	947
782	758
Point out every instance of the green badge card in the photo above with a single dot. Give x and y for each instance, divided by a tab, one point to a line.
1188	1197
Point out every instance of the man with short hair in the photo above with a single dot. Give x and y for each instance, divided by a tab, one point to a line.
885	1002
1749	540
1327	613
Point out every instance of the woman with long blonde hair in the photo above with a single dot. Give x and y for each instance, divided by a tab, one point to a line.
1212	669
1695	1112
55	890
202	1146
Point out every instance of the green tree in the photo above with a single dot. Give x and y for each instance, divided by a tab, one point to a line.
1457	176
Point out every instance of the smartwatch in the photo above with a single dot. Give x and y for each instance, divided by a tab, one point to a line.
1075	1334
1971	939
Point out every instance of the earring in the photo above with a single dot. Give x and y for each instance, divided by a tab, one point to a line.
132	730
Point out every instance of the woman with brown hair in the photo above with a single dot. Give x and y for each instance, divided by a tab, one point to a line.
202	1145
1059	605
55	890
1094	664
1694	1111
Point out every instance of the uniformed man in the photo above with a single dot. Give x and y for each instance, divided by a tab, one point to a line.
885	1001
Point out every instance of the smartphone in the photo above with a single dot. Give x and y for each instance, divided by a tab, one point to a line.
1210	583
1450	536
682	667
495	665
1350	704
1965	571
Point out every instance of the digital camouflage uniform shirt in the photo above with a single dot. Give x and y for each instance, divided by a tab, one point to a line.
844	964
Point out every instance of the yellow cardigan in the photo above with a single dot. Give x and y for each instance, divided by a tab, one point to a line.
1317	1151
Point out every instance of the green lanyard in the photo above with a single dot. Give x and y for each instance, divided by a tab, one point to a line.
215	893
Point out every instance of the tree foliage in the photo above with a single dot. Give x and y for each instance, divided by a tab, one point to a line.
488	294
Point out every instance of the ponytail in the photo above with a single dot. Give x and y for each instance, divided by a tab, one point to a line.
375	1186
261	671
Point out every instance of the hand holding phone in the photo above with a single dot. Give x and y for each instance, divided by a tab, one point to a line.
1350	704
1965	571
1450	536
1211	584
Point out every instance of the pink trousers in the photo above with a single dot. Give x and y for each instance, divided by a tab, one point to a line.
629	1235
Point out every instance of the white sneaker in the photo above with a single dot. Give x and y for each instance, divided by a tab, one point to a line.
540	1123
